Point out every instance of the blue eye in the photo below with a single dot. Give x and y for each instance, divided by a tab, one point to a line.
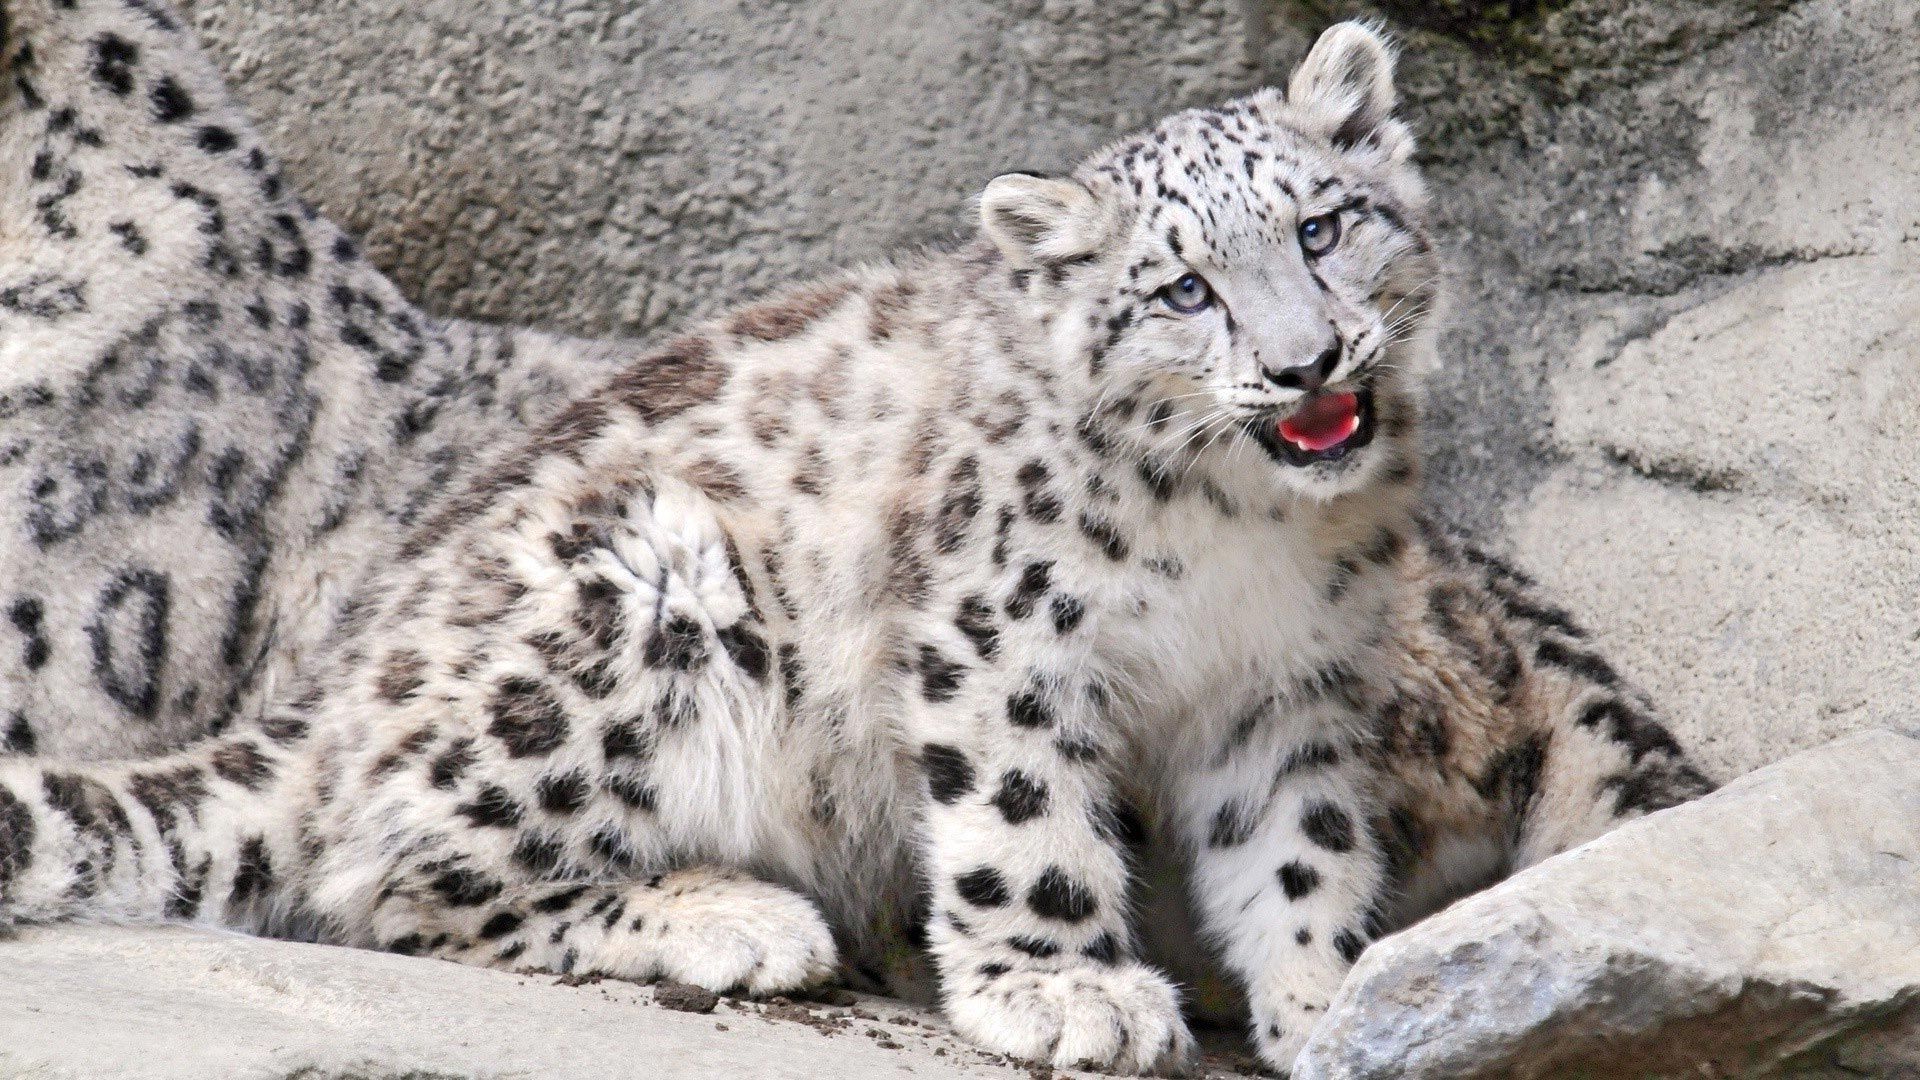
1319	234
1189	295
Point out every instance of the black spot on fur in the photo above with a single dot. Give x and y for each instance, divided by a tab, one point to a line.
1297	879
171	103
190	883
1119	823
564	793
19	737
242	763
451	765
1104	536
113	60
26	614
1313	755
402	675
1584	664
1349	945
625	739
1303	937
1028	709
527	719
168	794
975	621
1067	611
253	877
601	613
1631	728
746	649
1021	798
1233	825
940	677
129	639
1036	947
1041	504
958	509
1327	826
539	853
1158	478
1513	776
560	901
215	139
1647	790
17	831
1035	580
1057	896
1104	949
634	793
491	807
500	925
983	887
463	887
949	774
677	644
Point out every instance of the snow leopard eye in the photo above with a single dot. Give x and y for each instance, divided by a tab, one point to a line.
1189	295
1319	234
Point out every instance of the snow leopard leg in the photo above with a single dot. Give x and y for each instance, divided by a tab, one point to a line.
1287	875
556	782
1029	880
200	835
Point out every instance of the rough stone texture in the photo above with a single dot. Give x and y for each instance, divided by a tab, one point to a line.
620	167
109	1003
1772	928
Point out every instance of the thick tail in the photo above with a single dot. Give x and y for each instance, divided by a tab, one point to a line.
192	836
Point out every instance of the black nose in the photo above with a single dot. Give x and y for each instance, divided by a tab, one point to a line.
1308	376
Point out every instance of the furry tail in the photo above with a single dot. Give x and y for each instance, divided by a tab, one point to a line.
191	836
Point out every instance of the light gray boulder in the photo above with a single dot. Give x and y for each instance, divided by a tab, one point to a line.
1772	928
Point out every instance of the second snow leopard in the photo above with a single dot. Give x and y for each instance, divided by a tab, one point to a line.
896	592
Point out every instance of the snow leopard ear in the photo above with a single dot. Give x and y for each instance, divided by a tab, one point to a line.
1345	86
1040	220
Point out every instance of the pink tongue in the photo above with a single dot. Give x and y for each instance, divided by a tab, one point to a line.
1323	422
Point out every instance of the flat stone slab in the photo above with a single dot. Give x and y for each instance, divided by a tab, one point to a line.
160	1003
1770	929
94	1002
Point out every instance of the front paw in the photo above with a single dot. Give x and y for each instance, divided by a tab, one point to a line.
1281	1025
1124	1018
724	931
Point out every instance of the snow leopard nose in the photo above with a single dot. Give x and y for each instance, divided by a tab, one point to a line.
1306	376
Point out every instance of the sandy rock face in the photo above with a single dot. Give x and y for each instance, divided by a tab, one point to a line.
1772	928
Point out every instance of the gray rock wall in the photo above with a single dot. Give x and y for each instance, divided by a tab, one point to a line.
1682	372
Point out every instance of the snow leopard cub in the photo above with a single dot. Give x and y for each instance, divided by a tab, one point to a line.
895	593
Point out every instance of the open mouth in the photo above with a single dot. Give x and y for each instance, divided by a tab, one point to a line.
1325	427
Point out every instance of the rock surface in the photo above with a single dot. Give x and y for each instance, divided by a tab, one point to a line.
622	167
1772	928
112	1003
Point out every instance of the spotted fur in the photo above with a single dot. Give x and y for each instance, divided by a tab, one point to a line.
865	605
